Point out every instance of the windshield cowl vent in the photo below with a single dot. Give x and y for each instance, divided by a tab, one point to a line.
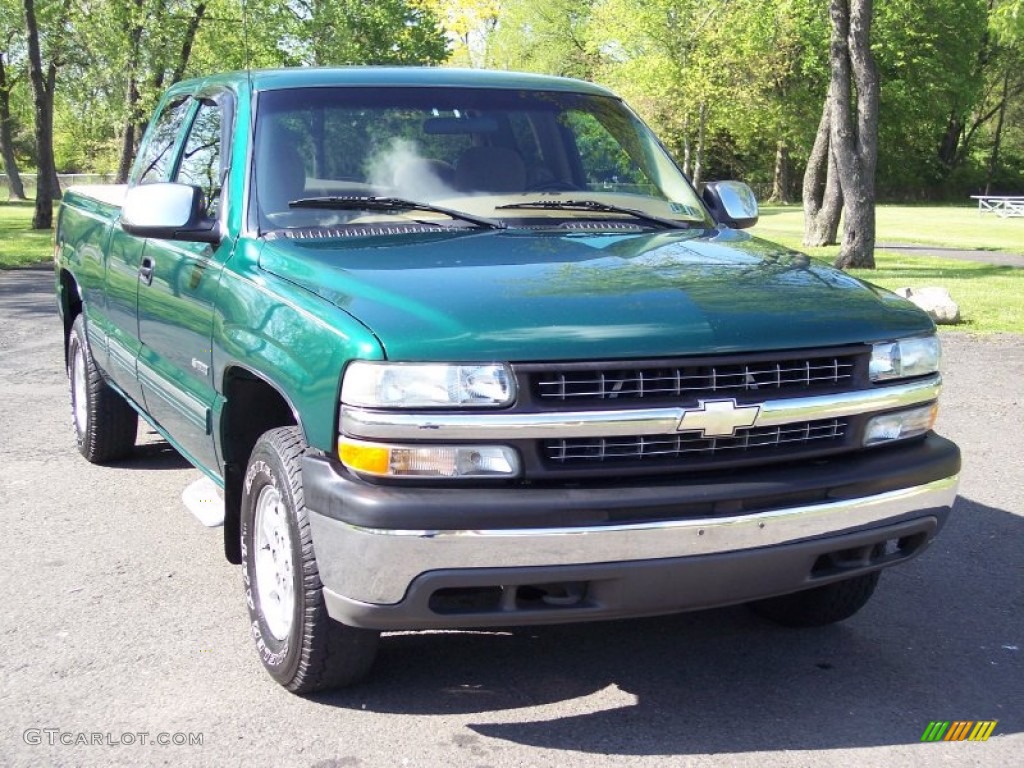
326	233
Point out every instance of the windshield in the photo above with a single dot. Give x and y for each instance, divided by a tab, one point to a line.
484	152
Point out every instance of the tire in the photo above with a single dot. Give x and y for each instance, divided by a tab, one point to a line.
105	425
820	606
299	644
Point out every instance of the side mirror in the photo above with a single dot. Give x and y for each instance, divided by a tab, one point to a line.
168	211
731	203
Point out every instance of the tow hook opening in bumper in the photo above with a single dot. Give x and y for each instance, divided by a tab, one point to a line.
882	554
451	601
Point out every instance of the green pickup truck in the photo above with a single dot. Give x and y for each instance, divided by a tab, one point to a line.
467	349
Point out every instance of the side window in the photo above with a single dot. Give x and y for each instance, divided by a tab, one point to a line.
200	162
155	164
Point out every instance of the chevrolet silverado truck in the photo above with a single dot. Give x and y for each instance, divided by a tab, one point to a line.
468	349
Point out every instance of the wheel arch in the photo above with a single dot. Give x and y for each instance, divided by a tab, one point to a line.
69	303
252	405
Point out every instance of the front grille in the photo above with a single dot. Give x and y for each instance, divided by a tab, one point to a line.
686	381
746	443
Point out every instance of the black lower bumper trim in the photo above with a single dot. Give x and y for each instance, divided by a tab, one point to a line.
332	491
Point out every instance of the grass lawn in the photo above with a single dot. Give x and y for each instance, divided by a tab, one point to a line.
991	298
19	245
943	226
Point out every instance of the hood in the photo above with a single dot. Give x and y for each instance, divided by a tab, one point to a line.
522	296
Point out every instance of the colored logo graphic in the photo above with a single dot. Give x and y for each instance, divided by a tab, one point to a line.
959	730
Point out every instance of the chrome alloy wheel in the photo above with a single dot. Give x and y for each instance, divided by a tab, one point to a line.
275	580
79	391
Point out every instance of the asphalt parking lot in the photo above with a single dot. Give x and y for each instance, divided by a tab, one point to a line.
123	626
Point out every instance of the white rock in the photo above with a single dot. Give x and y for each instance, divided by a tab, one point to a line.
935	301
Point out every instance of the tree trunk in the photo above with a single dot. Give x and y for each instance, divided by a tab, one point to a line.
854	135
15	189
687	154
949	148
43	104
133	32
128	137
51	88
993	162
780	180
198	11
698	163
823	198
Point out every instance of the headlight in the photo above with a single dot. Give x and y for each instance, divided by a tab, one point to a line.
900	425
452	461
905	358
427	385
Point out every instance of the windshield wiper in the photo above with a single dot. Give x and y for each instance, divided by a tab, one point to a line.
370	203
595	206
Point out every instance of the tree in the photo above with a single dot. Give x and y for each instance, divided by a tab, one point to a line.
469	24
676	61
932	62
780	54
823	196
1008	20
16	190
333	32
854	97
549	36
44	80
156	39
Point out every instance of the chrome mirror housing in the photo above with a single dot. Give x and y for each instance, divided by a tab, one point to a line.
168	211
732	203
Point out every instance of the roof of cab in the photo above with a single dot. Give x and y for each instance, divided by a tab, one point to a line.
316	77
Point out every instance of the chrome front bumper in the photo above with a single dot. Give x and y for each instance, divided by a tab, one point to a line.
363	568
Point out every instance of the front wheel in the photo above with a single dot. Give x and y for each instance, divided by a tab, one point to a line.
819	606
105	425
300	645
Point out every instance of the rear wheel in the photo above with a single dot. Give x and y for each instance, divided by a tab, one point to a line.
819	606
300	645
105	425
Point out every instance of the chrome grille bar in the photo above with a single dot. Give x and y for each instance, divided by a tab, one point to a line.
640	447
648	382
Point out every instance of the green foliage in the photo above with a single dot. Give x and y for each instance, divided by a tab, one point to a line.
550	36
1008	22
126	52
928	60
736	78
335	32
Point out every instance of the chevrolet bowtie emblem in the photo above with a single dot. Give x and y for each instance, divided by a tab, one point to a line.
718	418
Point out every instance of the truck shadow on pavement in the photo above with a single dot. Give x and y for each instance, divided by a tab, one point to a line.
940	640
152	452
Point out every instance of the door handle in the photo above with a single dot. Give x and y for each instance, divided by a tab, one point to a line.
146	270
